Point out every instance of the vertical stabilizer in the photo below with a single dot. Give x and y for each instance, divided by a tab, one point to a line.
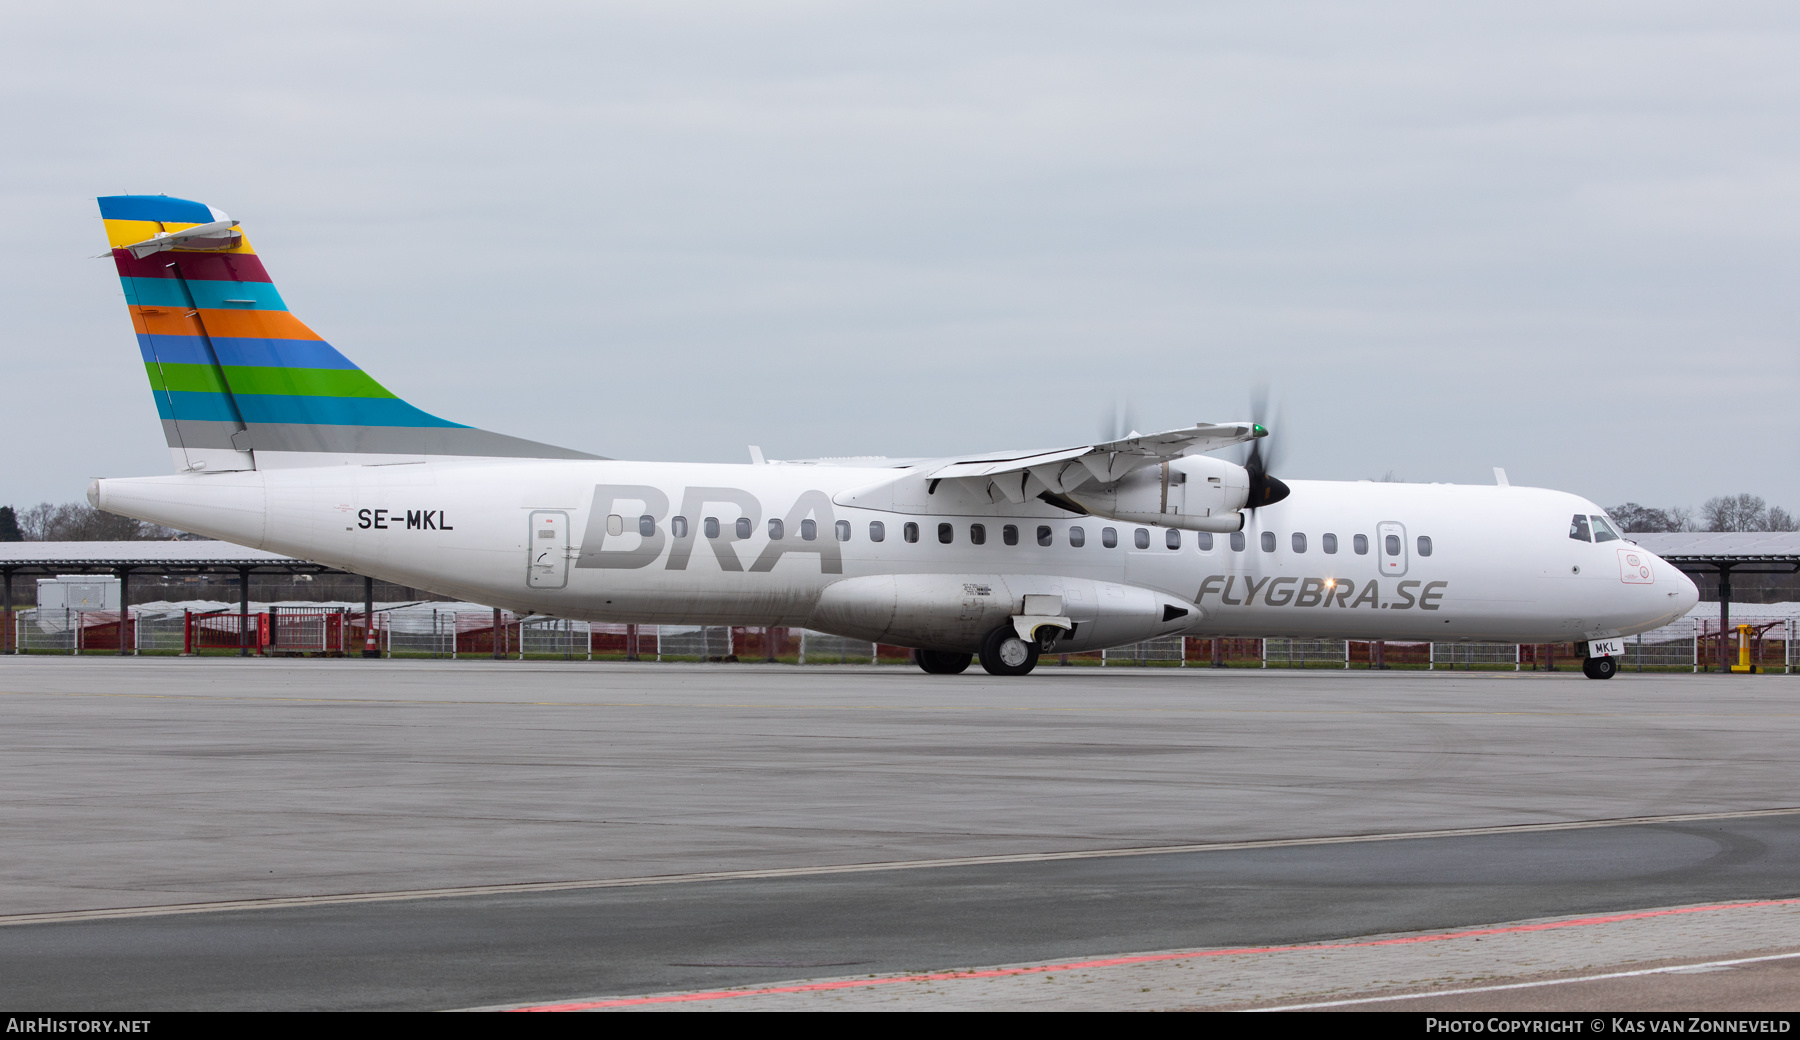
241	383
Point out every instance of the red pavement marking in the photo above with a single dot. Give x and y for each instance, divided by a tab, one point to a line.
1149	958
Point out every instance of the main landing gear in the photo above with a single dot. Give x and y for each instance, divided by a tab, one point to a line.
1599	667
1004	653
941	662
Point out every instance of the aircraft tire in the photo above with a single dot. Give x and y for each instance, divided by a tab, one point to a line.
1004	653
1599	667
941	662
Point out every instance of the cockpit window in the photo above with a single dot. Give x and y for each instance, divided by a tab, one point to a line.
1578	528
1603	531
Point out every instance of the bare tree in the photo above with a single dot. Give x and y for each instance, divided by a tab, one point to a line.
1636	519
1745	512
79	522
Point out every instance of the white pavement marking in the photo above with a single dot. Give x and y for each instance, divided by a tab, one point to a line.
1665	970
526	887
1299	975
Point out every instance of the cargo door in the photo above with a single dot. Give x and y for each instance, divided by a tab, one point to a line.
548	548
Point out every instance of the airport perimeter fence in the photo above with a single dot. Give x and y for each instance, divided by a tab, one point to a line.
1688	645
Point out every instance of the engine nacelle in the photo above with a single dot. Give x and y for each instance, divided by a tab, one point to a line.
1195	493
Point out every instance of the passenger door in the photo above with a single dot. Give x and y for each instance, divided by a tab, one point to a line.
1390	543
548	550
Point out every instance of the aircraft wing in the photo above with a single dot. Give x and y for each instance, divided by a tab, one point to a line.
1018	475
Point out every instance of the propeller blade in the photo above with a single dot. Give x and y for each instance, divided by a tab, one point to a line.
1265	490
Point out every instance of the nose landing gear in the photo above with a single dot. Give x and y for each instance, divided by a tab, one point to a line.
1599	667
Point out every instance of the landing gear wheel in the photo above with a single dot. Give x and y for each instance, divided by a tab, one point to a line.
1004	653
941	662
1599	667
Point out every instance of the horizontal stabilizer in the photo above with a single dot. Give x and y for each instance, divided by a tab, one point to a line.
220	234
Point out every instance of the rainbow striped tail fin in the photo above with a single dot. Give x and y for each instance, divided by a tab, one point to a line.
241	383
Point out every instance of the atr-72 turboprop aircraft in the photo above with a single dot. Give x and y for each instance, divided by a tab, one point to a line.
282	443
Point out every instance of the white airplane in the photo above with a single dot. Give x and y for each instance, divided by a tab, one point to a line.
282	443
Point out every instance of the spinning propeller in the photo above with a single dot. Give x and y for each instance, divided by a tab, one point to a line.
1265	490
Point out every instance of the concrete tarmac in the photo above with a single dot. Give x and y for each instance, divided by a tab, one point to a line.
133	783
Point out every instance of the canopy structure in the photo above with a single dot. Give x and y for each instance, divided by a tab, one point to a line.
1723	553
121	559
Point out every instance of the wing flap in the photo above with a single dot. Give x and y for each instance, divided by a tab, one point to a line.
1016	476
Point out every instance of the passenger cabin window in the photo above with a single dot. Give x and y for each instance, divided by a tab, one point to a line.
615	524
946	533
842	527
1299	542
1237	541
711	526
1109	537
1392	544
776	531
678	526
1172	538
1140	538
1268	541
1044	535
910	532
1204	540
1603	531
877	531
1010	534
978	534
1360	543
742	527
1578	528
809	529
647	526
1424	545
1328	542
1077	537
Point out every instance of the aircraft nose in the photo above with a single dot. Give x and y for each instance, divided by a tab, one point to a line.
1678	591
1689	595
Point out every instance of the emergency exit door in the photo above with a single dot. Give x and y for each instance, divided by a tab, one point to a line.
1390	542
548	567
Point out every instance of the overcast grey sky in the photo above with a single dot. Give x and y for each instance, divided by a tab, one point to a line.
1559	238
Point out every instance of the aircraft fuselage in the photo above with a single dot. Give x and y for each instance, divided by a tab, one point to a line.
855	551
